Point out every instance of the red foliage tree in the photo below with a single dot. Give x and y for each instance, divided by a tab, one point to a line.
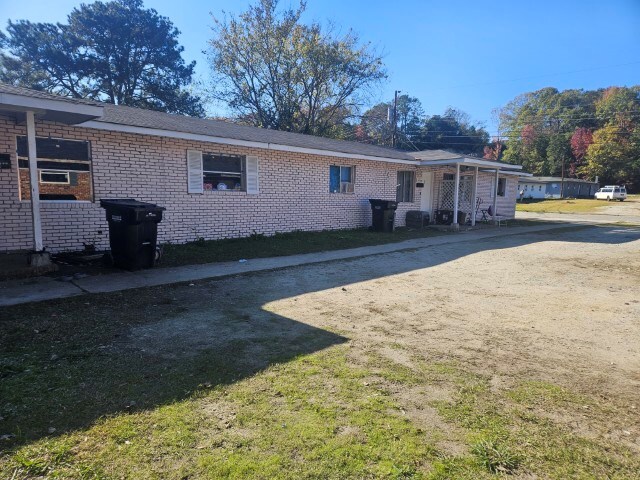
493	151
580	141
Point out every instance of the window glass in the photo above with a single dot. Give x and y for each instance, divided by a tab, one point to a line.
404	186
223	172
64	169
502	187
51	176
341	179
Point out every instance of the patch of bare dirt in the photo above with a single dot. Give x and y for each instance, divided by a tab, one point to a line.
557	307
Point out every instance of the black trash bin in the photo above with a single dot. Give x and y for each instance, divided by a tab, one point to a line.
133	232
383	213
445	217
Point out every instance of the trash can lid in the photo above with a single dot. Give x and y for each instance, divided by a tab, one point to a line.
387	204
127	203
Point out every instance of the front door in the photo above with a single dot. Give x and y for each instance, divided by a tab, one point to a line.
426	197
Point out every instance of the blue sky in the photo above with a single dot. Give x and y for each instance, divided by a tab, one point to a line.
472	55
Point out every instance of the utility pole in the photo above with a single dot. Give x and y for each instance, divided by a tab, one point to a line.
562	182
395	120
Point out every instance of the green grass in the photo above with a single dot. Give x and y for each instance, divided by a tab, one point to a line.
579	205
282	244
280	401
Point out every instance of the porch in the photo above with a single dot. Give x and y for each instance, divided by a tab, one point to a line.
459	190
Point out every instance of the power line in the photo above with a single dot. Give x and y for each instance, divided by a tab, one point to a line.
499	82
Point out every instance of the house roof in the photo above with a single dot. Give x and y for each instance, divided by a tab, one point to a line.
159	122
28	92
445	157
136	120
137	117
556	180
436	155
16	101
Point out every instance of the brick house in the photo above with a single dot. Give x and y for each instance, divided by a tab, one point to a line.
216	179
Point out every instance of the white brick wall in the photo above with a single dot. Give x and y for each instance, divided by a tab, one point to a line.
294	192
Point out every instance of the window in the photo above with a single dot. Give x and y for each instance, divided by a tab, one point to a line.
53	176
502	187
404	187
223	172
539	188
212	171
64	169
341	179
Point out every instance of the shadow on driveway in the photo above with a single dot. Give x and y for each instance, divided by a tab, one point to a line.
66	363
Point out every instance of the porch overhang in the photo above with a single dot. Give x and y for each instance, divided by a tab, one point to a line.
471	162
63	111
24	106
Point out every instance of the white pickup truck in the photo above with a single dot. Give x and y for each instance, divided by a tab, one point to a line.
612	192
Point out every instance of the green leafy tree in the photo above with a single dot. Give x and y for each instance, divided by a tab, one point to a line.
558	156
452	131
591	132
377	122
275	72
117	52
614	156
619	106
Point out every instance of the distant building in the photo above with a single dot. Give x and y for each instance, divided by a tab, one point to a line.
551	187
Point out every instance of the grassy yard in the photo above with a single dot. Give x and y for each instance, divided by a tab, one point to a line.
578	205
293	243
112	386
281	244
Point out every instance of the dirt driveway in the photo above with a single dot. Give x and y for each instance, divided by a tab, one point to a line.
559	308
563	308
530	341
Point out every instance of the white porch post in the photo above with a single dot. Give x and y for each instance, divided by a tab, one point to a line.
456	193
33	180
495	197
474	200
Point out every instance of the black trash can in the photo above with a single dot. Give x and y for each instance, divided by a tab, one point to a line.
417	219
133	232
445	217
383	214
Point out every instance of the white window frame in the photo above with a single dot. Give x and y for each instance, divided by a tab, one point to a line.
243	172
89	162
55	172
346	187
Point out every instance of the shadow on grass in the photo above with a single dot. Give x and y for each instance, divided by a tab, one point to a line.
67	363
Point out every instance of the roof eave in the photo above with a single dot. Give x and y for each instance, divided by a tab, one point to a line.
117	127
49	109
470	162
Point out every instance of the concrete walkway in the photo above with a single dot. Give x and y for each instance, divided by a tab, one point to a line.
45	288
